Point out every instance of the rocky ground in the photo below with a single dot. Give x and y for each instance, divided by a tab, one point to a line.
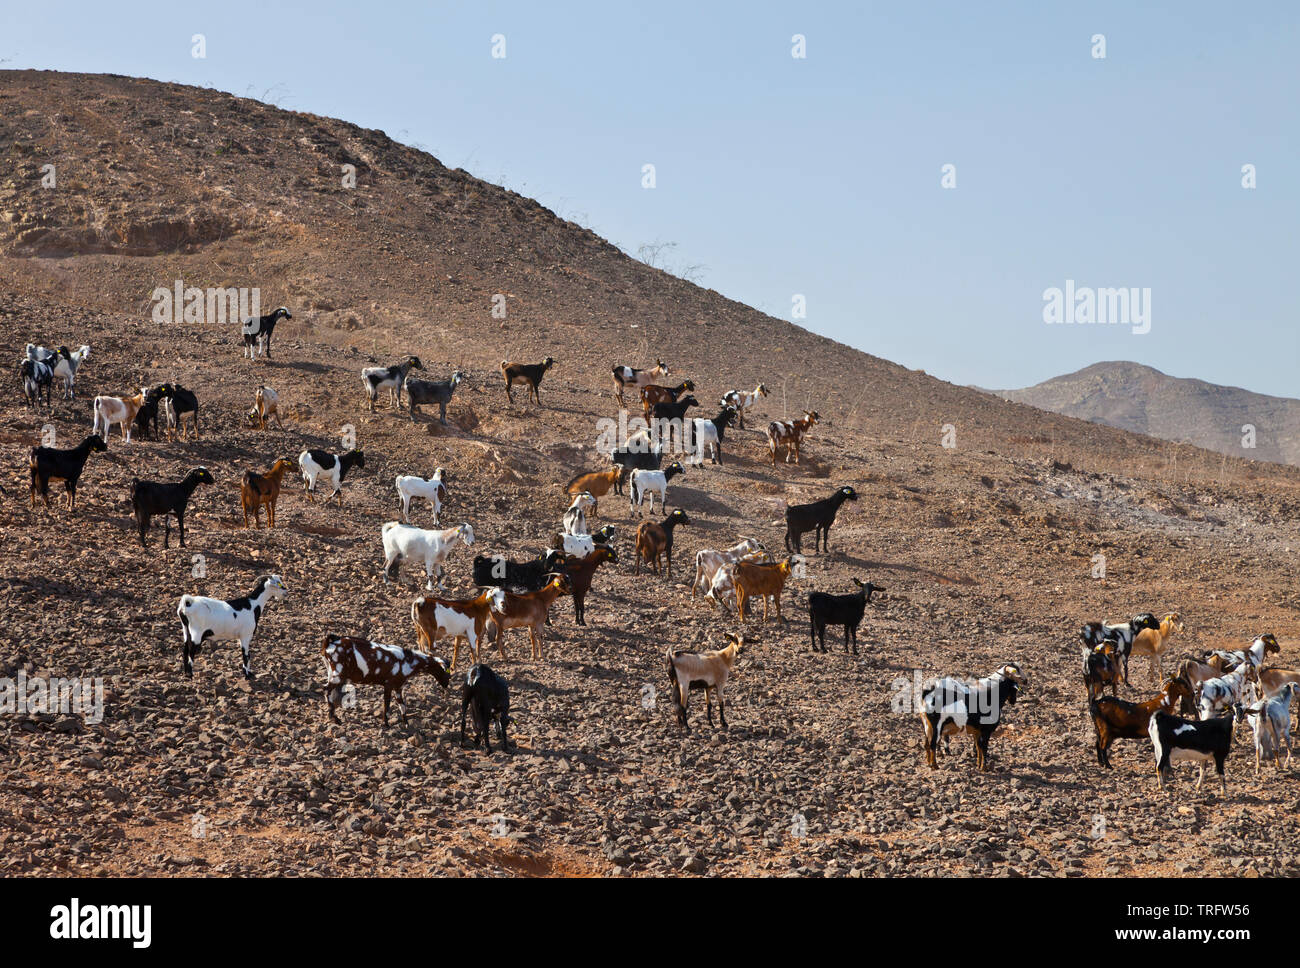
987	550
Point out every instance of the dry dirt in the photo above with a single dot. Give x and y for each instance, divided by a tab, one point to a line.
986	549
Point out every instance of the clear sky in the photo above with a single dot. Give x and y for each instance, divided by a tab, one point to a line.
821	175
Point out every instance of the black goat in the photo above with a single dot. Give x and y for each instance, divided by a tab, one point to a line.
1198	741
149	498
65	465
429	392
259	329
177	402
674	409
846	610
146	418
513	576
36	376
634	457
816	517
489	696
529	373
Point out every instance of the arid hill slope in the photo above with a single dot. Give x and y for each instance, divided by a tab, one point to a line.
989	550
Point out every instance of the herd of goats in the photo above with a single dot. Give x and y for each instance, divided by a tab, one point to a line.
1213	692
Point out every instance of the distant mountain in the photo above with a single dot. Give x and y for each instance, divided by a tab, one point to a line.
1142	399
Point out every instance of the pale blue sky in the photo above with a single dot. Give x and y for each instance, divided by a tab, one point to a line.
822	176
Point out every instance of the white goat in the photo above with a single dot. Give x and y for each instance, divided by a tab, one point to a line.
212	619
115	410
1271	721
575	518
702	670
643	482
708	561
1233	687
431	547
433	490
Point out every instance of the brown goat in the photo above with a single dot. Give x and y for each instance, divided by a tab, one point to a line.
765	580
436	618
1114	718
654	393
580	572
359	661
656	540
258	489
266	403
529	611
789	434
528	373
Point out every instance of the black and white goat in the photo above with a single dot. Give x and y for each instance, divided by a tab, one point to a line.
323	466
1178	740
390	378
950	706
644	482
709	434
846	610
257	330
36	377
204	619
149	498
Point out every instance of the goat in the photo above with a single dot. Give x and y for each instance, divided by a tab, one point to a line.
356	661
656	540
1153	642
643	482
950	706
1114	718
527	576
390	378
1178	740
117	410
64	465
178	403
266	403
709	560
709	671
531	611
433	547
36	376
581	545
149	498
637	453
1271	681
428	392
258	489
257	330
1270	720
63	364
597	484
580	572
722	589
316	464
626	376
672	409
846	610
709	434
1101	668
466	619
742	401
1233	687
816	517
147	417
1259	650
652	394
487	695
529	373
433	490
575	517
789	434
221	621
766	581
1123	634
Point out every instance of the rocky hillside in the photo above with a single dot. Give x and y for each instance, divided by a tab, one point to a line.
993	548
1142	399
